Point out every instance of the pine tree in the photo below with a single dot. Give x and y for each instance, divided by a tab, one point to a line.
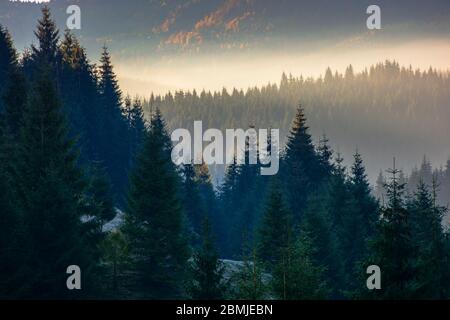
275	230
317	224
325	155
433	256
193	205
393	249
301	171
296	277
137	127
341	211
248	209
8	61
380	191
207	193
360	218
12	102
46	53
115	254
11	221
154	221
51	197
206	270
100	196
249	279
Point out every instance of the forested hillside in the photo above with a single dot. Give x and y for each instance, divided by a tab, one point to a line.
74	149
384	111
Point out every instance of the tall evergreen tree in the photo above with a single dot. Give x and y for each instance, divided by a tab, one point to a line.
301	171
8	61
51	194
250	278
359	213
193	205
433	258
317	224
366	204
46	53
113	126
228	198
207	271
11	221
296	277
393	249
154	221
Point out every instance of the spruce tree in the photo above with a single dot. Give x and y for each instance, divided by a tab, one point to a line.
325	155
341	211
207	282
8	61
51	197
433	256
113	128
11	221
46	53
275	229
154	220
229	199
393	249
137	127
193	206
366	204
250	278
115	253
301	171
358	211
296	277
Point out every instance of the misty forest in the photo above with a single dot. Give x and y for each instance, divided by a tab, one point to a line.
86	179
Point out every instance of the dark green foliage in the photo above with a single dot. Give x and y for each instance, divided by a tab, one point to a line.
99	196
113	127
317	229
317	225
275	229
393	248
46	53
193	205
137	125
11	221
249	279
78	91
433	258
207	282
154	222
242	192
300	166
8	61
51	199
295	276
365	203
115	254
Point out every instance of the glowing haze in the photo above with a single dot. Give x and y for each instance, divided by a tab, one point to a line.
242	70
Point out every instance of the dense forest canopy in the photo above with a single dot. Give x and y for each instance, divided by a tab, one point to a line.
86	179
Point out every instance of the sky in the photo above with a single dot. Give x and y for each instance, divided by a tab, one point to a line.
210	44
